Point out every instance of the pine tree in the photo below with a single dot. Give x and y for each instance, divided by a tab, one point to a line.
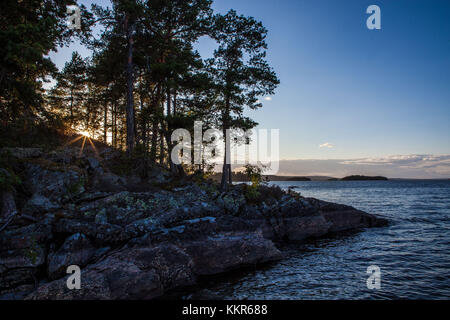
29	30
71	86
241	74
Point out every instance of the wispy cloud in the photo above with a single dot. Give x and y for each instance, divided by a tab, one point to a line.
326	145
405	161
422	166
268	98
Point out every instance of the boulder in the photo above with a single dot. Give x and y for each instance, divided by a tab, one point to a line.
294	228
108	182
51	185
12	280
130	273
102	233
149	272
76	250
25	237
94	166
229	251
40	204
22	253
343	220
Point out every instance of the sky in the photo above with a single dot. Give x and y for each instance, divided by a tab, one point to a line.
350	94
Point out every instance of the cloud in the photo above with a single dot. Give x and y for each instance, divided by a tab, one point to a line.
326	145
268	98
404	161
420	166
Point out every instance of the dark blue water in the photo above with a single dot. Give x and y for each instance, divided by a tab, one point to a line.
413	253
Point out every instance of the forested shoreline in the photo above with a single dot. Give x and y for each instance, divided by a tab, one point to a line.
143	78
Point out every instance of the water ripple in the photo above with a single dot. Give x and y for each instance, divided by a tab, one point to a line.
412	252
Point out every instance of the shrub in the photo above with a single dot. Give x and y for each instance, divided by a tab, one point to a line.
254	175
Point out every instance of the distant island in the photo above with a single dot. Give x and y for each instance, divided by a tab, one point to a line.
363	178
242	177
288	178
325	178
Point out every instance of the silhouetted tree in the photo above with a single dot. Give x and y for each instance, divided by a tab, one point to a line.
241	74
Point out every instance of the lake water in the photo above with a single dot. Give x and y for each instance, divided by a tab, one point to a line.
413	252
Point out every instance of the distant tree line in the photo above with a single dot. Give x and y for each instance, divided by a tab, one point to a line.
143	80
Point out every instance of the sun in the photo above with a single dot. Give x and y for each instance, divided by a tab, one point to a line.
85	134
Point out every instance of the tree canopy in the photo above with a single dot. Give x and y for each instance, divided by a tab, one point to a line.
144	77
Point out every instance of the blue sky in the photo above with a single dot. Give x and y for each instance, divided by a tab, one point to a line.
367	93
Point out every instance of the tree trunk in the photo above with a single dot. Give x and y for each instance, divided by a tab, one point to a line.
224	182
155	129
226	170
168	133
153	148
130	87
161	146
71	107
168	102
105	124
174	102
114	128
163	129
143	124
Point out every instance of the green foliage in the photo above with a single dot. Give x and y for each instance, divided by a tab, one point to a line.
258	191
239	71
254	175
8	178
251	193
29	30
70	92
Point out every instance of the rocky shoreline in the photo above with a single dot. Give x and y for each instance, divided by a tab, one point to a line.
138	238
